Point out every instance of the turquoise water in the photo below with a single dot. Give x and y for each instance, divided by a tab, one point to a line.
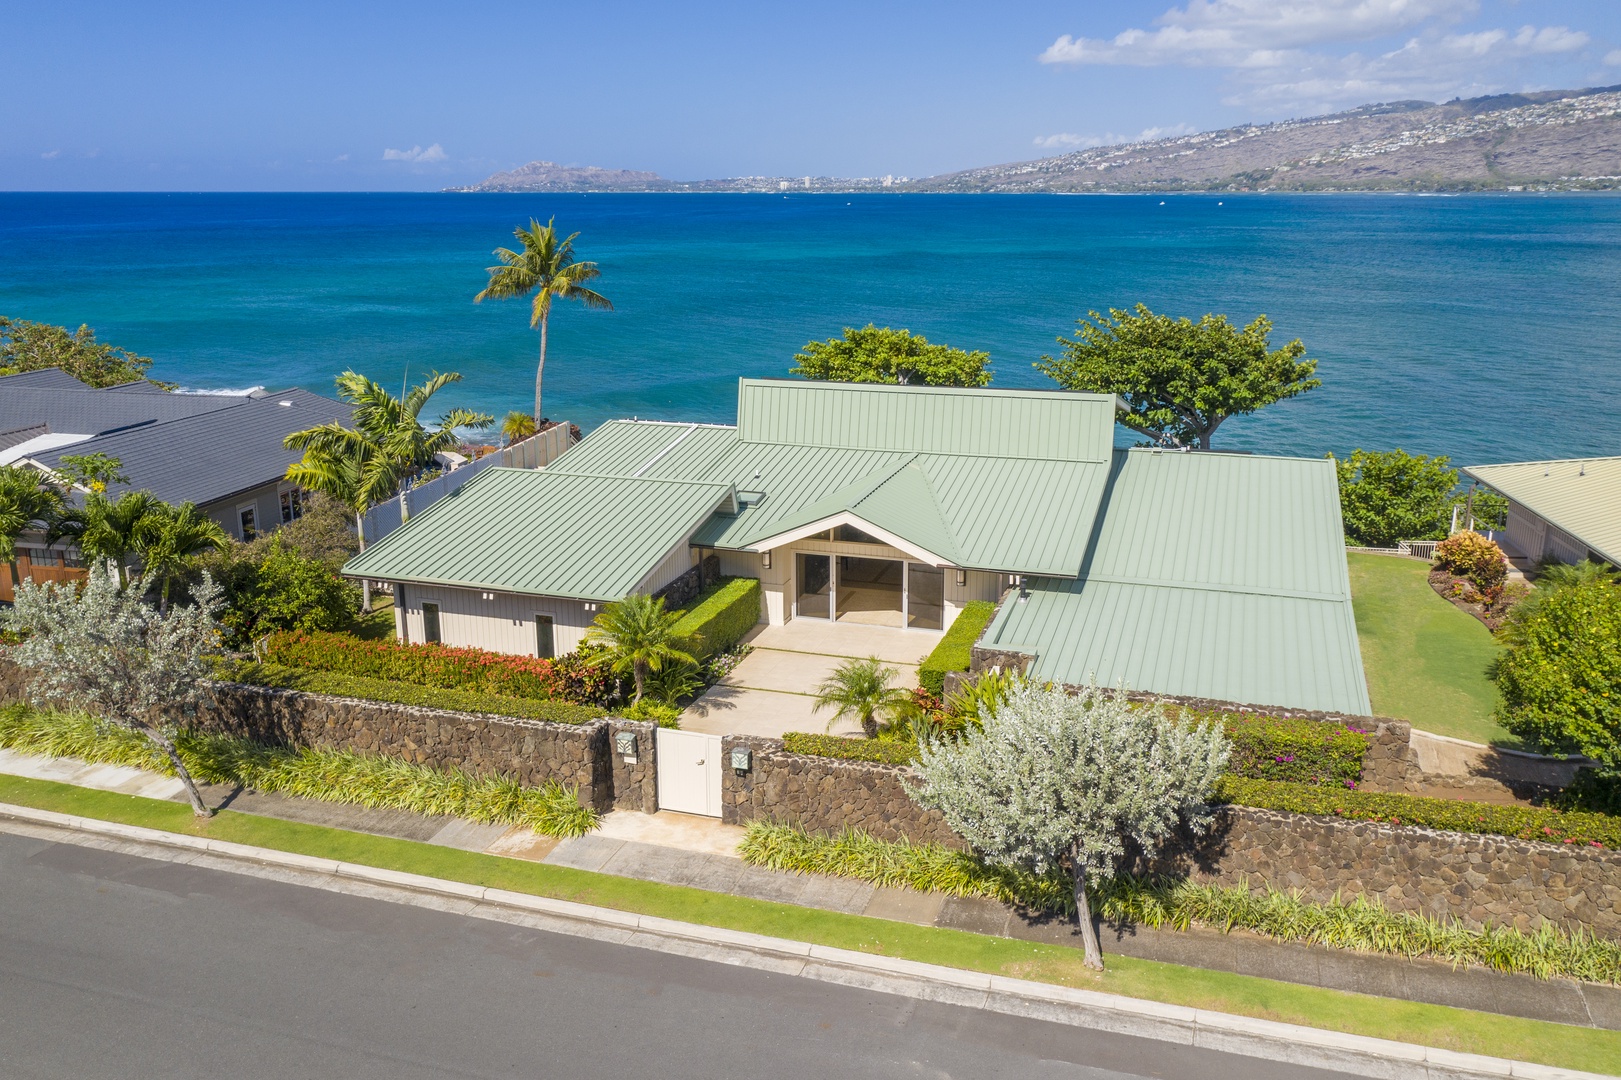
1484	327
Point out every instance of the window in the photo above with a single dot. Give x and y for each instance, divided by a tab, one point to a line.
430	623
292	505
545	646
41	556
852	535
245	518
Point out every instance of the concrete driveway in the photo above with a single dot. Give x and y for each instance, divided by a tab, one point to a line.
771	691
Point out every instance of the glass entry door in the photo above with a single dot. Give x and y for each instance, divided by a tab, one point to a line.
925	596
814	574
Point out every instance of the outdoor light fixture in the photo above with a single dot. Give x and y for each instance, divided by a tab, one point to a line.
962	577
625	746
765	559
742	759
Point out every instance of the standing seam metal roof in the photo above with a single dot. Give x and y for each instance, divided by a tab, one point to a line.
1580	496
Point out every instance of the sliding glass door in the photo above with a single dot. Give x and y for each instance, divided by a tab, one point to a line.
814	574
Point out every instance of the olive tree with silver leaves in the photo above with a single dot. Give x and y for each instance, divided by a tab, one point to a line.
1053	778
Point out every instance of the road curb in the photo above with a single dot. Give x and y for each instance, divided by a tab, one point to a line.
1304	1046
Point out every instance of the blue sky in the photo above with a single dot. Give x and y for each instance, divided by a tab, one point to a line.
417	96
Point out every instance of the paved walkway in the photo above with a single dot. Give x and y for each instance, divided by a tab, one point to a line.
771	691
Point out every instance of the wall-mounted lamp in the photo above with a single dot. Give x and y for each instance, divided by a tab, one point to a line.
625	746
962	576
489	596
742	759
765	559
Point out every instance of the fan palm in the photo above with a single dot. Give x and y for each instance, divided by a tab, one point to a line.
545	266
638	636
27	502
865	690
517	425
169	538
109	530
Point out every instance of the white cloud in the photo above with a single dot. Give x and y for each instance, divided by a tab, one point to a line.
1282	55
51	155
1613	58
417	155
1067	141
341	157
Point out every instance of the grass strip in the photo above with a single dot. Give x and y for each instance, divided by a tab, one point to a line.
1360	923
328	775
366	688
1558	1045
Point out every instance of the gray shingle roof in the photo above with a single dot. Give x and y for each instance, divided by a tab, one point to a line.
212	454
45	379
94	412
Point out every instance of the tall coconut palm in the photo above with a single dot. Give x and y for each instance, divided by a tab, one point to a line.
109	530
363	465
545	266
864	689
28	502
638	635
169	538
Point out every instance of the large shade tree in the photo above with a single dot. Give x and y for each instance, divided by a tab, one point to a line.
1180	379
876	354
1050	778
33	346
28	503
543	265
105	651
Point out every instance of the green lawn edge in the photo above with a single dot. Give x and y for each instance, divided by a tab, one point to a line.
1426	661
1558	1045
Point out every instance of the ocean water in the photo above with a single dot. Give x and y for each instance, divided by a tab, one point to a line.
1486	328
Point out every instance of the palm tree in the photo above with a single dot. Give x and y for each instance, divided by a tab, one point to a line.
169	539
638	635
109	530
863	689
516	426
544	266
363	465
27	502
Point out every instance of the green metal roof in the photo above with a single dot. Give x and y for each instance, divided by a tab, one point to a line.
1211	575
544	533
1580	496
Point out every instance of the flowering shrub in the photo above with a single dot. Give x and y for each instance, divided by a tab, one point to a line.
1473	556
1295	749
566	678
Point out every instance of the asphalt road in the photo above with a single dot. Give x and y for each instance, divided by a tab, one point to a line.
121	967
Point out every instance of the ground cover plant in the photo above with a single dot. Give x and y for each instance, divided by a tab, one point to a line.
1558	1045
328	775
719	617
401	693
1426	661
953	651
1358	923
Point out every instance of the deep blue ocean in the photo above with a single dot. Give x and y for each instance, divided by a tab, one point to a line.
1487	328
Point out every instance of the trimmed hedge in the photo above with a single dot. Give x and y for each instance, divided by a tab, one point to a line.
327	775
837	746
444	666
721	616
954	651
1520	822
1360	923
403	693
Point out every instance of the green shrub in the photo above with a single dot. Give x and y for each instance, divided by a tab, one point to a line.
1471	555
1283	748
276	588
400	693
720	617
443	666
1596	791
1360	923
655	712
1391	495
954	651
1560	677
883	751
1522	822
328	775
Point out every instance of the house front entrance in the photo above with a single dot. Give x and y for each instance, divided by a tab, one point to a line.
868	592
689	772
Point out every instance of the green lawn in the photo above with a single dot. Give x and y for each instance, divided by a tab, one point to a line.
379	625
1432	1025
1426	661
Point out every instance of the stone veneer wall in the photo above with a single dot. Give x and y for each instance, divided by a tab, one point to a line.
824	795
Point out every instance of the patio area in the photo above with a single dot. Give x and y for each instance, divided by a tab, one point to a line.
771	691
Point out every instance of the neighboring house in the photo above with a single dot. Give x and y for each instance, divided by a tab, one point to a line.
1564	511
221	451
1199	574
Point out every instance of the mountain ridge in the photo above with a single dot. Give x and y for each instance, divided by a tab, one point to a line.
1540	141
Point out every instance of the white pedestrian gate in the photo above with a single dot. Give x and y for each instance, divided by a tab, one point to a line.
689	772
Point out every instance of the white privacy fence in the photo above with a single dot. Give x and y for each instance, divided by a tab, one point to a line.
535	452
